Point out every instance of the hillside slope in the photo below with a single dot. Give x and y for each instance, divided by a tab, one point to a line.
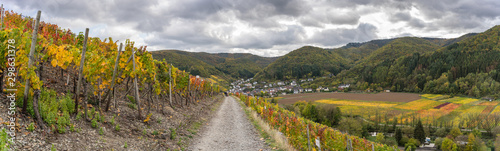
237	65
304	62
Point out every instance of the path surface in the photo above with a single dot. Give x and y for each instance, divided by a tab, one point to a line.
229	130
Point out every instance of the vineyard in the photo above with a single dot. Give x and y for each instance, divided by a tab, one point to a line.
56	73
432	109
301	132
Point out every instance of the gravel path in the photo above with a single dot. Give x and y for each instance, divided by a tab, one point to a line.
229	130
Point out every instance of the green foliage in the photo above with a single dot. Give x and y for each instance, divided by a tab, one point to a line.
61	129
78	116
31	127
101	131
351	125
132	106
132	99
441	132
53	148
117	127
380	137
173	134
455	131
399	136
4	142
113	120
448	145
419	133
125	146
144	132
305	62
438	142
95	124
471	146
72	128
155	132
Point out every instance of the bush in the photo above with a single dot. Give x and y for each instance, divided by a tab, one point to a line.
438	142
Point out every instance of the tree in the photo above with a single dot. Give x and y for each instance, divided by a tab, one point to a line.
394	123
419	132
448	145
380	137
351	125
412	144
455	131
441	132
471	143
399	136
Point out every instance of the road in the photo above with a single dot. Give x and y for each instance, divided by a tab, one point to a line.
230	129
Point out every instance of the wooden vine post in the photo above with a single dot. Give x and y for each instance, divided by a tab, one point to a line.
137	98
34	36
113	79
82	61
170	84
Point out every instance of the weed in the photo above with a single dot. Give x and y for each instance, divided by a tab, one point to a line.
125	146
117	127
155	132
72	128
132	106
101	132
144	132
53	148
61	128
172	133
31	127
94	123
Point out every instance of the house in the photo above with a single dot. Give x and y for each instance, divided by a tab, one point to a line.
302	80
387	90
343	86
309	90
293	83
326	89
310	79
281	83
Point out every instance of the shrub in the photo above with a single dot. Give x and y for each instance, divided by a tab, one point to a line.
155	132
72	128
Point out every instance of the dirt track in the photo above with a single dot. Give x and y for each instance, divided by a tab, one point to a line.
389	97
229	130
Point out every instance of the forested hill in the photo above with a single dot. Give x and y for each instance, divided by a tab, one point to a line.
467	67
304	62
227	65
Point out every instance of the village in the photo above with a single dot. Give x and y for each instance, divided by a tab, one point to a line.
264	89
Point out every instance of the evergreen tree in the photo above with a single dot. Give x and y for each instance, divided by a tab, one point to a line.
399	136
419	132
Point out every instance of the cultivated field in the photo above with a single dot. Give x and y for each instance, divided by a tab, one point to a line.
386	97
430	108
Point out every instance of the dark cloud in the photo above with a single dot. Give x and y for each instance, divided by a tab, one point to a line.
251	25
332	37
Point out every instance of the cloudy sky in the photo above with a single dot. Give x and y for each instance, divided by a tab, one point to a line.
262	27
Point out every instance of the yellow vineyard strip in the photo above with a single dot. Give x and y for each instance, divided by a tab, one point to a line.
357	103
418	104
460	100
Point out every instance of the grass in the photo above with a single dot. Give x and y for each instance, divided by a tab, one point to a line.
272	137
